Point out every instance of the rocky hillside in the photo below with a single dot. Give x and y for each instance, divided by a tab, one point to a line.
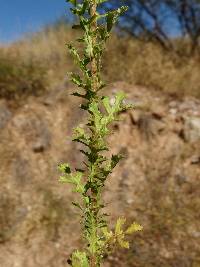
157	184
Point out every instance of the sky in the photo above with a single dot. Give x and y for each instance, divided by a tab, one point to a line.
18	17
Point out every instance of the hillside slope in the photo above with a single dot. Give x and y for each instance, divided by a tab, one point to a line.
157	184
37	63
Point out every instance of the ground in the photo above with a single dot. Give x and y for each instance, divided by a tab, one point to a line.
156	184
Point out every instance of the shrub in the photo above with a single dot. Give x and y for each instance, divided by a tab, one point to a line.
89	181
19	79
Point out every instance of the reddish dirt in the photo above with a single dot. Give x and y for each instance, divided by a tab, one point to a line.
157	184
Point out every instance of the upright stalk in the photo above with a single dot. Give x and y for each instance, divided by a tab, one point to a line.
94	67
94	63
90	178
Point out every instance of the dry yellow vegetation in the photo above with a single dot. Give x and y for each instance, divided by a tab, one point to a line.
36	63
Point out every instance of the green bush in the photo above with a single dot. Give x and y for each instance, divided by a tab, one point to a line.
19	78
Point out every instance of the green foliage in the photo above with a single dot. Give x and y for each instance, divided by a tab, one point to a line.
89	181
79	259
117	238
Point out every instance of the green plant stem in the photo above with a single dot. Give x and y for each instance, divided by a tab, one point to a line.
90	181
93	207
94	63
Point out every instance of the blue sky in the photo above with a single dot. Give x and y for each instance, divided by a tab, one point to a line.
18	17
21	16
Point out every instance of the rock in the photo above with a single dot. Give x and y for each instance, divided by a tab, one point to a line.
149	126
5	114
35	131
129	201
195	159
173	111
173	104
188	105
191	131
135	116
39	146
159	112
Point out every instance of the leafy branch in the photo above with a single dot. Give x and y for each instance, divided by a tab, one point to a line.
89	181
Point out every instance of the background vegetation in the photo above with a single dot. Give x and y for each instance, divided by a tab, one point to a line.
36	63
32	145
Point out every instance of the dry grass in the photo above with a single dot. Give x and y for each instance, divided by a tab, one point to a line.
40	61
148	65
34	64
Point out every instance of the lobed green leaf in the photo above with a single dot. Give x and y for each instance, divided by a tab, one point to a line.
79	259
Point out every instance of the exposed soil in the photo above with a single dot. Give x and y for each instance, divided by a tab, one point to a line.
157	184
